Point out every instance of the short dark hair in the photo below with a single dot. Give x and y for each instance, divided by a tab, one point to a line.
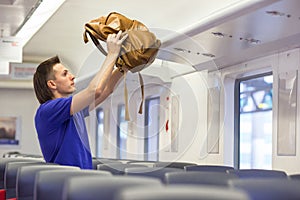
43	73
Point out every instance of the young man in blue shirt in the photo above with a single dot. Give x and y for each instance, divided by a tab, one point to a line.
59	119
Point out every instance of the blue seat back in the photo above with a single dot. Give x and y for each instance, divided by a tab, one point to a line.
117	168
102	188
199	178
258	173
180	165
10	176
49	183
212	168
4	161
26	179
155	172
269	188
182	192
98	161
294	176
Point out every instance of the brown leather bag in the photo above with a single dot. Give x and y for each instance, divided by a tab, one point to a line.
138	51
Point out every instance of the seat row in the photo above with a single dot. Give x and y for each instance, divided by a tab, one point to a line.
29	179
34	179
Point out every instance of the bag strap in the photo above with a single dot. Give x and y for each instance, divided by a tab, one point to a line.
127	117
142	91
107	17
92	34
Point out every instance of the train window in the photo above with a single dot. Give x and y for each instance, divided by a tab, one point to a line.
121	133
99	131
254	129
151	144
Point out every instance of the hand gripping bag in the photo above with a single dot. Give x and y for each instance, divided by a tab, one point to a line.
138	51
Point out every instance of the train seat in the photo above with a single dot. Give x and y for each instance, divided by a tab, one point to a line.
10	176
199	178
4	161
49	183
294	177
258	173
104	188
179	192
141	162
268	188
214	168
117	168
155	172
26	179
98	161
180	165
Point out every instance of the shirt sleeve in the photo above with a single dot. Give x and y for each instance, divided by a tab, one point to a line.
86	112
57	111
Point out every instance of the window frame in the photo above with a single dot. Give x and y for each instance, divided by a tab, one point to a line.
237	114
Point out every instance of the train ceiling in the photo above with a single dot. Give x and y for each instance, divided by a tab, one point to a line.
14	14
204	34
265	31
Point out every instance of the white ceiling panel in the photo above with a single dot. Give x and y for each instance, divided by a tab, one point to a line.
13	13
198	32
62	34
266	30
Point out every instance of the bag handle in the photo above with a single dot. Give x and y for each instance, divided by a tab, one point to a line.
92	34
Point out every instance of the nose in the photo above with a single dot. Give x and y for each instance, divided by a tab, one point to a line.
72	77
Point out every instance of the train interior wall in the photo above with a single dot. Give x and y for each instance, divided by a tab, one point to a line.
193	143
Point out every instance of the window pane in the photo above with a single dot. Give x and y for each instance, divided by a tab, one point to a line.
255	133
100	131
122	133
152	129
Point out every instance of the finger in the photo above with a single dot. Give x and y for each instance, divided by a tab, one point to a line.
119	34
110	36
123	38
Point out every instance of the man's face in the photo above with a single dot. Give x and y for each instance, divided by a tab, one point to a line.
64	80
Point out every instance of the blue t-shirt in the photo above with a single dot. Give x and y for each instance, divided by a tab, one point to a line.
63	137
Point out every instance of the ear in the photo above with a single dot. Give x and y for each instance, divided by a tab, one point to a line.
51	84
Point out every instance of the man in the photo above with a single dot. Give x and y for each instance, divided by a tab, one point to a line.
59	119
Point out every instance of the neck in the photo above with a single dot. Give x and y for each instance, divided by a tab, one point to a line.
59	95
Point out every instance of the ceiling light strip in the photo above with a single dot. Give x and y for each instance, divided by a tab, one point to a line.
28	16
41	14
